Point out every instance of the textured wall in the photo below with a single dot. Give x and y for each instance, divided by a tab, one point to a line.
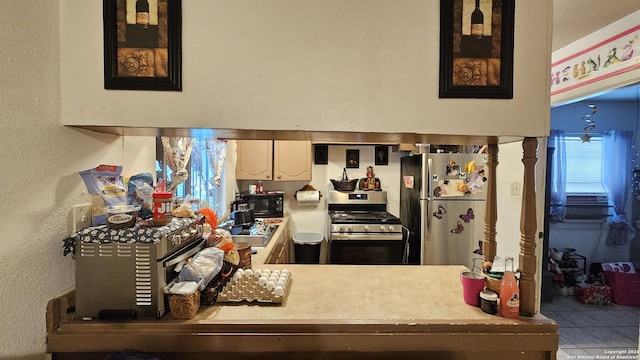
330	65
38	178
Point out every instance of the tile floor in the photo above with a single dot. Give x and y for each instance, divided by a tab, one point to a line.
594	331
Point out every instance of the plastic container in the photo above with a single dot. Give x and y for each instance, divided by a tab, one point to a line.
307	247
625	287
184	299
244	251
489	302
121	216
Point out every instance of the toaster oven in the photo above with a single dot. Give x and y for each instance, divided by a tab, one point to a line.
121	274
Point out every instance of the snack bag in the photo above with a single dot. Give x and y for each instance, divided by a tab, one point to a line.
106	189
205	265
140	192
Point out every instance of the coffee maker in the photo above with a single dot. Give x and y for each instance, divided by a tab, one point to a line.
242	217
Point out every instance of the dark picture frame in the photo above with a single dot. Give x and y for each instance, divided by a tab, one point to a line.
381	155
321	154
353	159
476	66
143	56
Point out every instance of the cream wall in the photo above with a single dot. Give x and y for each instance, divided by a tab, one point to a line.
40	181
511	170
47	58
330	65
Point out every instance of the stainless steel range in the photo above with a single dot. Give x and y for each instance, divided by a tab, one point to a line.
362	232
122	273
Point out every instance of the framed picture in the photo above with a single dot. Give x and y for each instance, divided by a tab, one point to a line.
143	44
382	155
321	154
353	159
476	48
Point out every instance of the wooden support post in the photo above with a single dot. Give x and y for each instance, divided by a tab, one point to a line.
528	226
491	212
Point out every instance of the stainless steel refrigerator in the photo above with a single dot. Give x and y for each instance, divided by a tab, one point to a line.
442	203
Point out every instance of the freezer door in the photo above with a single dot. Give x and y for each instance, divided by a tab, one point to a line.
455	231
457	176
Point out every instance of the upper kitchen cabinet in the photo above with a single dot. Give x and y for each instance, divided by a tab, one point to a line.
292	160
315	70
273	160
255	160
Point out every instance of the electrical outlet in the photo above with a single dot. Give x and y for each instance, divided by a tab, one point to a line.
80	217
515	188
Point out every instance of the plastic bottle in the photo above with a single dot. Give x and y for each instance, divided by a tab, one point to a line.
509	292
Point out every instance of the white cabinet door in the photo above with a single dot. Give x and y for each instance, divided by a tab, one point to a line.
292	160
273	160
255	160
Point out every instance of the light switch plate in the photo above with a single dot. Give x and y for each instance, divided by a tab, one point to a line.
80	217
515	188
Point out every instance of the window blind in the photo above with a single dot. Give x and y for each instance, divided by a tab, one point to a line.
584	165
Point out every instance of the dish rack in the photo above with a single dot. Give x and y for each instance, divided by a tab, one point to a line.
248	285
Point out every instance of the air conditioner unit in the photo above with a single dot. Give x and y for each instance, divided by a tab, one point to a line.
587	207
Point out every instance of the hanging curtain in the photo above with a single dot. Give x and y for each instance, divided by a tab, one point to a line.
217	151
616	162
558	176
177	151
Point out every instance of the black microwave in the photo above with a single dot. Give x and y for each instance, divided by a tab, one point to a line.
267	205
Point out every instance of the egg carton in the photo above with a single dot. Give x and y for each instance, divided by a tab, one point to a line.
263	286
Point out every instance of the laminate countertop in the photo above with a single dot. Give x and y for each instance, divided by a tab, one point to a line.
343	311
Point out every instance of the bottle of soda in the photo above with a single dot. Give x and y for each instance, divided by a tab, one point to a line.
509	292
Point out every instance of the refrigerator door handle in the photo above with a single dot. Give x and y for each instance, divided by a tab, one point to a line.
425	187
428	179
425	220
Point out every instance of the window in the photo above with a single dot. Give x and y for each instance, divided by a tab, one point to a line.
199	185
584	165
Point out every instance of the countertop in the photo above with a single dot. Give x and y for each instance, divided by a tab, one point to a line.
393	293
336	309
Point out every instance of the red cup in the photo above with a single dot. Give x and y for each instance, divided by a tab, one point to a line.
472	285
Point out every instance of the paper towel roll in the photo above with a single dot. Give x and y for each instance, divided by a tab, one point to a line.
308	197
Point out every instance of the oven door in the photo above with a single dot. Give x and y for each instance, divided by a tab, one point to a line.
366	249
173	262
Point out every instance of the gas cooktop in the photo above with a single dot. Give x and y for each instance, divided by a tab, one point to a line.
362	217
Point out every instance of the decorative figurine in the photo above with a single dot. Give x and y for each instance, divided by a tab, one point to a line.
370	182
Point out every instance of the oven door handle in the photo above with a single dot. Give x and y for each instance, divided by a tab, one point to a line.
184	254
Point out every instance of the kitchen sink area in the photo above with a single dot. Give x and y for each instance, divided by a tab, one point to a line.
258	237
253	240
